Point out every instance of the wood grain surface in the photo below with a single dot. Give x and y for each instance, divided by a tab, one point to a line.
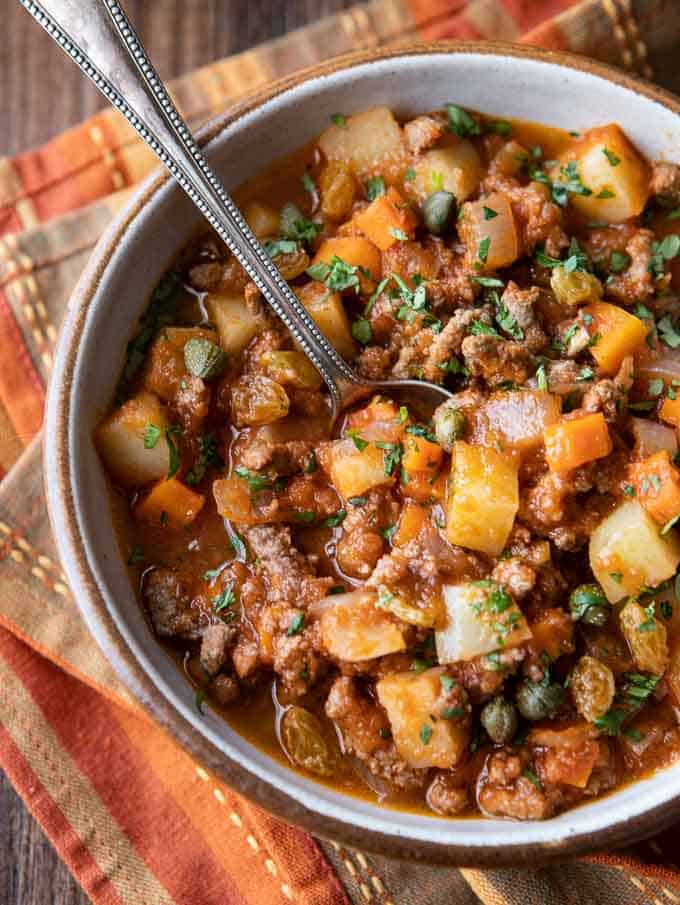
179	36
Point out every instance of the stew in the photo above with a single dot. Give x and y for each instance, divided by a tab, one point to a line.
468	611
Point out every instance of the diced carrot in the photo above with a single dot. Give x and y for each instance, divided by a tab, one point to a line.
387	220
670	411
379	420
657	485
423	486
615	334
421	454
355	251
170	503
411	520
575	442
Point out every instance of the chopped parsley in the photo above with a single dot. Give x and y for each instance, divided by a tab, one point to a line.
570	183
419	430
398	234
655	387
238	546
280	247
304	515
489	213
392	455
207	455
136	555
362	331
308	183
254	479
388	533
605	193
500	127
483	250
339	119
358	441
479	328
334	520
296	624
650	622
338	275
668	333
425	733
507	322
409	175
489	282
460	122
541	378
151	436
375	187
529	774
225	599
613	159
586	374
447	682
663	251
628	490
172	437
358	500
619	261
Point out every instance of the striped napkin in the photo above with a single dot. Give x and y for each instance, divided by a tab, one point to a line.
135	818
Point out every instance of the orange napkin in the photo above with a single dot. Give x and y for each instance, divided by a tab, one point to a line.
133	816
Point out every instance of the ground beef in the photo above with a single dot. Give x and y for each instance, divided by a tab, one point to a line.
176	609
666	181
497	360
482	678
361	542
374	363
538	219
296	660
207	276
636	283
281	458
225	689
288	576
218	637
518	577
447	344
562	377
366	734
446	796
192	403
310	493
503	789
602	396
423	132
271	340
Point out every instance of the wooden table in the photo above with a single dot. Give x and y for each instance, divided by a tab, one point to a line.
179	35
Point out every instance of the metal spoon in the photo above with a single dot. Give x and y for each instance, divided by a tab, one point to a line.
97	35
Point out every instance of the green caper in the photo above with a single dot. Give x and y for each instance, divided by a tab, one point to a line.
539	702
449	425
438	211
290	216
203	358
589	605
499	718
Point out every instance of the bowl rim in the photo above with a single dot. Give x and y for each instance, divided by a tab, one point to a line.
62	511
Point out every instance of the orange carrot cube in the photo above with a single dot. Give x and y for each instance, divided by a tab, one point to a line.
657	485
387	220
170	503
421	454
575	442
670	411
411	520
615	334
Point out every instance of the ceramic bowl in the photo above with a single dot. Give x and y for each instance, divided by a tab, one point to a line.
507	81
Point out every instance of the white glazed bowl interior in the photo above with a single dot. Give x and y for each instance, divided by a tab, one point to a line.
506	86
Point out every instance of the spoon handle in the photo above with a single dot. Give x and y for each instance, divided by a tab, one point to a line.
97	35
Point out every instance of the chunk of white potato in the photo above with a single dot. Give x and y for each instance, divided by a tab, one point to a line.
120	441
618	177
329	313
483	498
627	552
423	741
235	322
481	617
353	629
456	169
364	140
354	471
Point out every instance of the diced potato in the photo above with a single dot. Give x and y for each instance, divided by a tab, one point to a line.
483	498
257	400
456	169
234	502
614	171
511	158
235	322
646	636
387	220
354	250
120	441
618	333
577	441
365	140
657	486
169	503
422	741
292	369
354	629
413	517
491	242
328	311
517	418
354	471
338	187
627	552
262	219
480	619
